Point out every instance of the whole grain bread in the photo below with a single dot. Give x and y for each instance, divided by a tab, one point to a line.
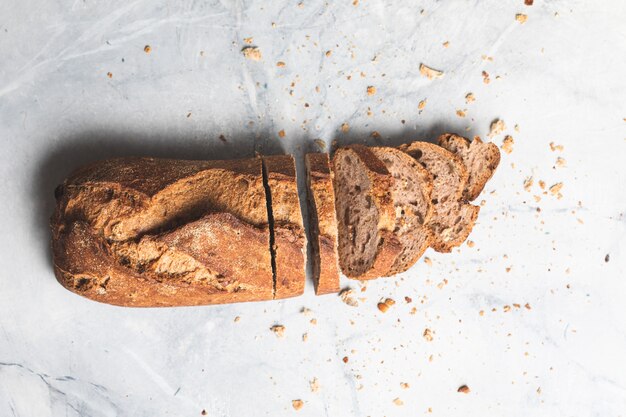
323	223
289	238
480	159
155	232
368	247
411	195
453	218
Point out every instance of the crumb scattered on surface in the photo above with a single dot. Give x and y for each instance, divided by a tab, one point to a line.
329	53
278	329
486	78
555	147
507	144
497	127
398	402
521	17
252	52
237	319
297	404
464	389
320	144
404	385
607	258
371	90
460	113
203	413
248	40
421	105
470	243
560	162
281	133
429	72
446	44
345	127
348	296
313	321
469	97
555	189
428	335
428	261
280	64
110	74
375	134
528	2
345	359
315	385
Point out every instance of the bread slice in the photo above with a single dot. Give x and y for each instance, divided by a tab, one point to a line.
366	217
323	223
453	218
480	159
144	232
411	194
289	239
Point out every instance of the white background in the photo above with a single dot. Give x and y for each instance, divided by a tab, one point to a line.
560	77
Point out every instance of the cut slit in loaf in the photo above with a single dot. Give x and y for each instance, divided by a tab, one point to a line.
367	246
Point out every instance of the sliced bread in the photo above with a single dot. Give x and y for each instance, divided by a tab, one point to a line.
480	159
288	238
368	247
323	223
411	195
453	218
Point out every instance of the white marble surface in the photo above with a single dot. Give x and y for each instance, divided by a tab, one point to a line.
559	77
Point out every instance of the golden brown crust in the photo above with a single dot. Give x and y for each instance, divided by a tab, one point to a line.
480	159
323	224
166	257
85	265
289	235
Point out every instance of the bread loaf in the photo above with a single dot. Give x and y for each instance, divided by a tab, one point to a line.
155	232
368	247
323	223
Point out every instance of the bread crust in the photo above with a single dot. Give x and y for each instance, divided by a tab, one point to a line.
323	223
288	227
487	154
380	183
220	206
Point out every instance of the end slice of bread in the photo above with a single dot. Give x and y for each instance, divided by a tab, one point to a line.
368	247
411	194
480	159
453	218
323	223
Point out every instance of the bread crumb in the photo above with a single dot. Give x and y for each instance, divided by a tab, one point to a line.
297	404
446	44
147	49
305	337
408	299
371	90
486	78
278	329
507	144
506	308
404	385
345	359
470	243
110	74
280	64
398	402
463	389
497	127
252	52
481	313
237	319
428	335
345	127
428	261
460	113
522	18
355	3
306	311
528	2
542	184
421	105
203	413
313	321
560	162
555	189
375	134
315	385
320	144
383	307
430	73
348	296
329	52
555	147
469	97
248	40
